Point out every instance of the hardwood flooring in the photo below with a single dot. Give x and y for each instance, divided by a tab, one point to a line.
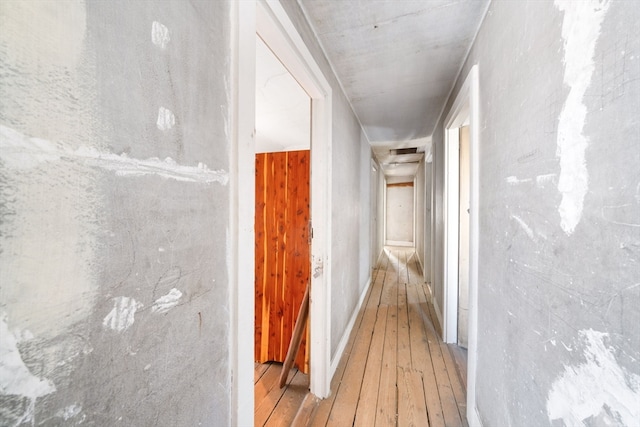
275	406
395	370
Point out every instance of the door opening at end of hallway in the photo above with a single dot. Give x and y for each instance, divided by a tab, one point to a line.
399	214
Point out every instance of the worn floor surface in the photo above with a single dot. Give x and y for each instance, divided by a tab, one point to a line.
395	370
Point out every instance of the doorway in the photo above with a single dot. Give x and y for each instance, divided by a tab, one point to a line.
399	214
269	20
463	236
282	202
461	255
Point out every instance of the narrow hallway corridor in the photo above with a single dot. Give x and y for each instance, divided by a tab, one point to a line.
395	370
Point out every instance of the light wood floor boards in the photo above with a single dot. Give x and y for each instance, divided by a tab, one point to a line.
395	371
275	406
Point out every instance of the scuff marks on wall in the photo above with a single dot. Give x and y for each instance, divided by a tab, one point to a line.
525	227
16	379
627	214
122	315
580	31
19	151
598	390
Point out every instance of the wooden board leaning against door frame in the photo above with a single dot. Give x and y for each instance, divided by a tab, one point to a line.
282	255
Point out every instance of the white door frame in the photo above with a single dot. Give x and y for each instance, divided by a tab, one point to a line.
465	108
373	205
415	211
268	19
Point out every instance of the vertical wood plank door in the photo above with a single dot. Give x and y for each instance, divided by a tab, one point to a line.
282	255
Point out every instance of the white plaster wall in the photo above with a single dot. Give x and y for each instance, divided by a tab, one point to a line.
366	214
113	213
558	334
399	216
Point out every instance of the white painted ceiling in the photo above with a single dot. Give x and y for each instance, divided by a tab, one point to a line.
397	61
283	108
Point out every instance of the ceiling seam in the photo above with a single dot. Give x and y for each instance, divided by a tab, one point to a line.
462	64
333	70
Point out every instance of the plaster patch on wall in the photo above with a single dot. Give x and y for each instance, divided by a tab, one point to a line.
122	315
19	151
598	389
159	35
542	180
15	377
69	412
166	119
514	180
167	302
580	31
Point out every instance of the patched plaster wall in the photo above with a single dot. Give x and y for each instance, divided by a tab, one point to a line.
558	291
114	213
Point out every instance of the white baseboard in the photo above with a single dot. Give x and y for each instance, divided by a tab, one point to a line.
347	332
398	243
473	417
424	279
438	311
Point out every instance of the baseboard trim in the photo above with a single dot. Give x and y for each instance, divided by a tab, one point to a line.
473	417
438	311
398	243
347	332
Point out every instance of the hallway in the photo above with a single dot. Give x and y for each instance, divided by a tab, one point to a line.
395	369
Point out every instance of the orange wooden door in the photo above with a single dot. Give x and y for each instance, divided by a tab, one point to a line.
282	255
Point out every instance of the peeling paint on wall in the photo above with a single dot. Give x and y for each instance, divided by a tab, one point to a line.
122	315
15	377
598	389
19	151
580	31
167	302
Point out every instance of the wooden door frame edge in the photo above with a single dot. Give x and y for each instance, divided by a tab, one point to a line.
269	19
466	105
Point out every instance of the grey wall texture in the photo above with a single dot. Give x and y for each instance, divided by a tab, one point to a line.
347	201
114	213
558	291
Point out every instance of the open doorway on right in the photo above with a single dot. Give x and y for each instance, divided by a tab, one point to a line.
460	351
461	225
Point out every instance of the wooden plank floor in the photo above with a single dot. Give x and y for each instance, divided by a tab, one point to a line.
395	371
275	406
